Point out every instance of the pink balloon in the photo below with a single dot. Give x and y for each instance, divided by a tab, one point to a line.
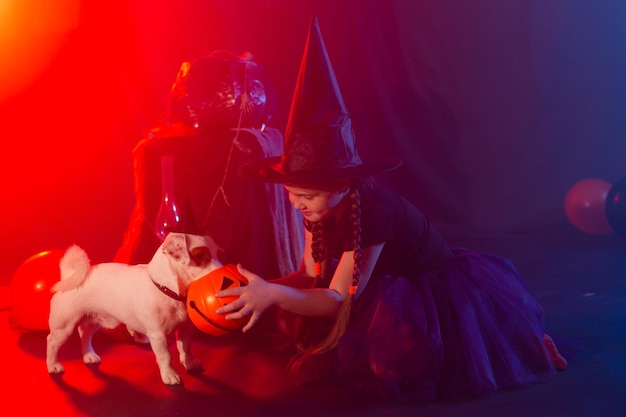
585	204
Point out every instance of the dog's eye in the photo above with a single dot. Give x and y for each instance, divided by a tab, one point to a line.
200	256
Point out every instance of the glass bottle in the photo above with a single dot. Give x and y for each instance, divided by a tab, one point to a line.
168	217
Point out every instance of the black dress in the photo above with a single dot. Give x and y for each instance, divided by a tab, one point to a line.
434	322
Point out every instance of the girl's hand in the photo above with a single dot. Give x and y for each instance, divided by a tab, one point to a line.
253	299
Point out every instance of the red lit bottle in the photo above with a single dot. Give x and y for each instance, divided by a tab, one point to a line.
168	217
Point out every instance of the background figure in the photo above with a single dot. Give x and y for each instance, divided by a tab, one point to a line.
218	108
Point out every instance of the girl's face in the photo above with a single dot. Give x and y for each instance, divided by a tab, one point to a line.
316	204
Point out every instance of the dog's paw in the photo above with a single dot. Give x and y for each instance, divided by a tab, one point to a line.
91	358
55	368
171	378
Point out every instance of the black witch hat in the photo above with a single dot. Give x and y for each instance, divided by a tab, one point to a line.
319	141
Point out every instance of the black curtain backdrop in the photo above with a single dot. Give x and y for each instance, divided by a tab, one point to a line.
496	106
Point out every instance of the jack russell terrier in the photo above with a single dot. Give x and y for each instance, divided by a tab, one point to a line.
147	298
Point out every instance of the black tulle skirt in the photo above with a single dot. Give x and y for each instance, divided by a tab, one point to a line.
469	328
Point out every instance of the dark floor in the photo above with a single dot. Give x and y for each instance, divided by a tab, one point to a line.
580	281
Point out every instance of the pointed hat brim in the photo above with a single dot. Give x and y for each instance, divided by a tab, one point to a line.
269	170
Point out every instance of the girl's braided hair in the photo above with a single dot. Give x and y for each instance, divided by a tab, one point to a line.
319	252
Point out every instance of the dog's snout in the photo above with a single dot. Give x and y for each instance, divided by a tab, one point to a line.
200	256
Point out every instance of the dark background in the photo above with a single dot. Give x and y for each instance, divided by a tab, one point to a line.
497	106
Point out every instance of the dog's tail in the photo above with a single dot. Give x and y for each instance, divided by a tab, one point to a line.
74	267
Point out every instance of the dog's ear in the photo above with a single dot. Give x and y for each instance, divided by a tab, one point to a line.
213	246
200	256
203	249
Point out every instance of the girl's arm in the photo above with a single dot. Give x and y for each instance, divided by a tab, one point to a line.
293	292
325	302
317	302
259	294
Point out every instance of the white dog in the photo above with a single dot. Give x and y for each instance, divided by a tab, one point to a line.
147	298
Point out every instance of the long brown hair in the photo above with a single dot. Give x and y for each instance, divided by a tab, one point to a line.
319	253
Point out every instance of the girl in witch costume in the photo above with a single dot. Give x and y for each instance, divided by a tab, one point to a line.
411	316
